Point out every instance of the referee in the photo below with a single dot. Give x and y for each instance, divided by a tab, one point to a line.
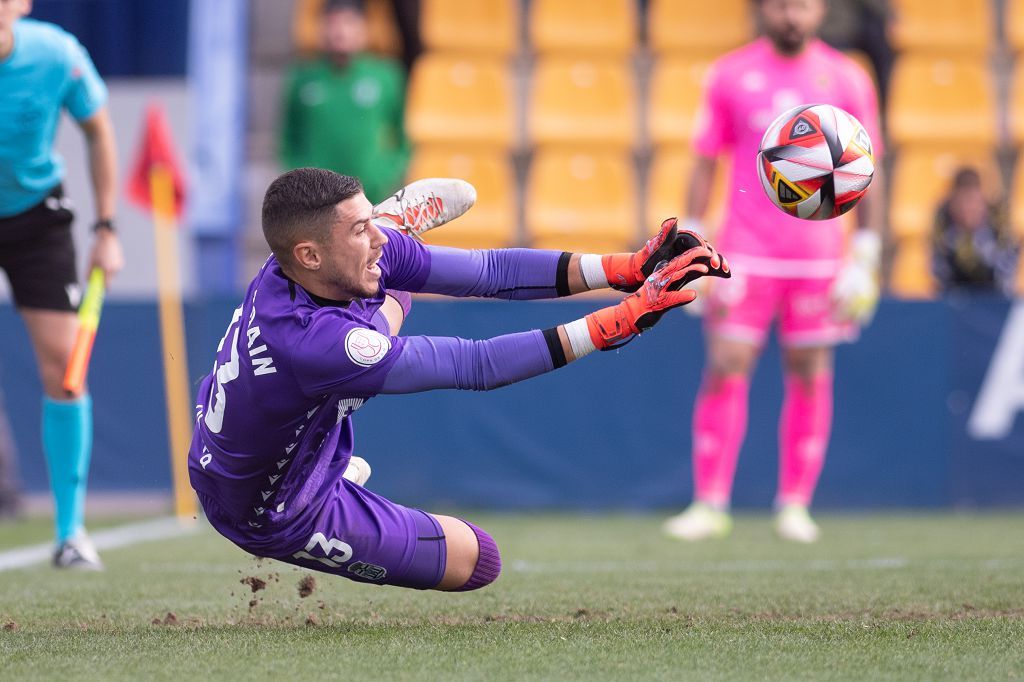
44	69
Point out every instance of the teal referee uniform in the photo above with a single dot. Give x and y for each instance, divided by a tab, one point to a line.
46	72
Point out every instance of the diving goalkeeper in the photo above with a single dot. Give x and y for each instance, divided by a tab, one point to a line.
316	337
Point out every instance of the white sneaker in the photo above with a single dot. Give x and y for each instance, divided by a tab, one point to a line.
425	204
78	553
795	524
699	522
358	471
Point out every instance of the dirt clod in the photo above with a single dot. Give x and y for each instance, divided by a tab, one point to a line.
307	585
254	583
170	619
10	626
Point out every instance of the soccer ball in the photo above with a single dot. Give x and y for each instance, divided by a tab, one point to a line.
815	161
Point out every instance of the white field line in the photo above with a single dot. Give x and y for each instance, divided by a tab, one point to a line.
760	566
111	538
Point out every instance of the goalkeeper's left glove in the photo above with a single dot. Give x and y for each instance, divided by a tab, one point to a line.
611	327
855	290
627	271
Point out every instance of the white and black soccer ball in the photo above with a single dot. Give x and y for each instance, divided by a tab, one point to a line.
815	162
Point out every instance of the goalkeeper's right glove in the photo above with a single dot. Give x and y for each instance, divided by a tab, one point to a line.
627	271
612	327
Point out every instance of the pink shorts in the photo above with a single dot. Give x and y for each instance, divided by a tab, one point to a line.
742	309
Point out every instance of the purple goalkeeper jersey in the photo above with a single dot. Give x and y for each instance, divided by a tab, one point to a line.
274	417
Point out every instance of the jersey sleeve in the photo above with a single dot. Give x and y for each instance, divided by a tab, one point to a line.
405	262
339	355
86	92
520	274
713	130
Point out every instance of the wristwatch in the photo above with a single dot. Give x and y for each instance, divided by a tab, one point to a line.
104	224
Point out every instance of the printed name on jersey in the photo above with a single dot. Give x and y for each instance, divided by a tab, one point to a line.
261	364
366	347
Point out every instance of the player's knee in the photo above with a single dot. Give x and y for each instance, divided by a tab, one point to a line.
731	359
808	363
488	562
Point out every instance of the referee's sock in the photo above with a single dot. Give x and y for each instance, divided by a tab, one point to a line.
67	442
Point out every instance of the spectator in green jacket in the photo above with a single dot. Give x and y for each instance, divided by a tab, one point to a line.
344	110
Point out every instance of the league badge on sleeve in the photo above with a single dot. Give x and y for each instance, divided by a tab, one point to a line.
366	347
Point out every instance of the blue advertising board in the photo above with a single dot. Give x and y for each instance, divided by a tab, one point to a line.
928	413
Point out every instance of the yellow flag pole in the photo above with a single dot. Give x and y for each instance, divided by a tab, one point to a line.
172	335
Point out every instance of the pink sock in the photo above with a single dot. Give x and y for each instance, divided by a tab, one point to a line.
804	428
719	425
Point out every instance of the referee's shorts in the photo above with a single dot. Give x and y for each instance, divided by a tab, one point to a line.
37	253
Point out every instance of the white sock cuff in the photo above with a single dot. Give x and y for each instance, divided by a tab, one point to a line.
593	271
579	338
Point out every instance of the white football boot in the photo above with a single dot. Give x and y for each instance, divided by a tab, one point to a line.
794	523
78	553
358	471
699	521
425	204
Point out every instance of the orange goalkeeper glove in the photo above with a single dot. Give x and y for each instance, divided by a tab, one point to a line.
611	327
627	271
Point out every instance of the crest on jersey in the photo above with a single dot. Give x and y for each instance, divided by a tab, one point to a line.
366	347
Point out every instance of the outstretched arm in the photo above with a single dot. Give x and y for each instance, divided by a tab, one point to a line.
527	273
421	363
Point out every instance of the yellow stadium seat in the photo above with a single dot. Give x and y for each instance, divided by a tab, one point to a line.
698	25
382	31
607	27
921	177
667	184
943	26
677	85
461	101
1016	109
911	275
581	201
582	101
942	101
1017	198
459	26
491	224
1013	20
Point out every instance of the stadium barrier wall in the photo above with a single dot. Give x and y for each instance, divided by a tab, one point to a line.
928	413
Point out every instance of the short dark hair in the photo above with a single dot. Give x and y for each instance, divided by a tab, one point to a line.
966	177
339	5
301	204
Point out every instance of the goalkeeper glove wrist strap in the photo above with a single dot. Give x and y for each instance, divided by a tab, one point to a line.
593	271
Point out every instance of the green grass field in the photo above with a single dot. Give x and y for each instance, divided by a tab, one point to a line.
902	597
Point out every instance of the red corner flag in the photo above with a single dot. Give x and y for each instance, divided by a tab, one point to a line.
155	149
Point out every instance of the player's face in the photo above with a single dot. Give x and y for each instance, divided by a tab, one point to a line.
344	32
969	208
11	11
350	257
790	24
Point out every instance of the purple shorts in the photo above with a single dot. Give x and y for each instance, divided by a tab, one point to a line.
353	533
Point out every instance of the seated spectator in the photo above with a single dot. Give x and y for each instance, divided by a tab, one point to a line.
973	250
344	109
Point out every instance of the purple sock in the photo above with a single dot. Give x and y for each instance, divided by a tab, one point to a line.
488	565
